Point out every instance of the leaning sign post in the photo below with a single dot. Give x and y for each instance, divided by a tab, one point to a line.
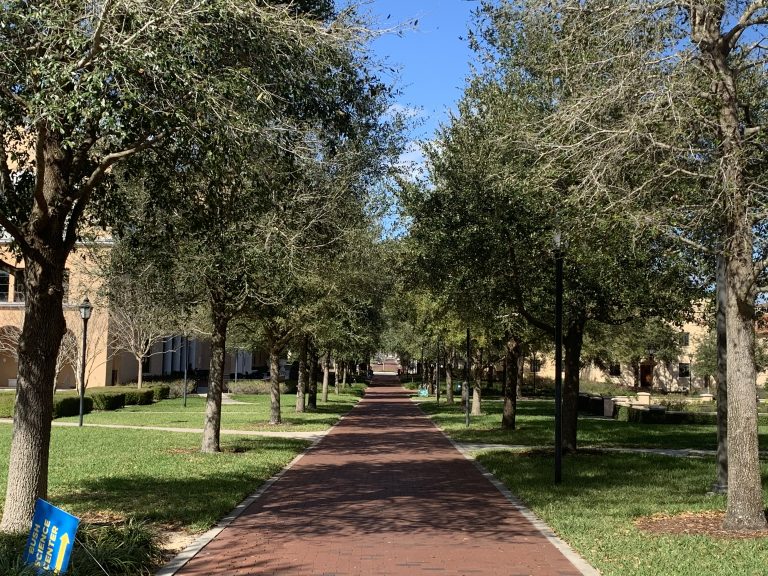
51	538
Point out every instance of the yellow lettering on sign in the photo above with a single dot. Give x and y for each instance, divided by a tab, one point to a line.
62	550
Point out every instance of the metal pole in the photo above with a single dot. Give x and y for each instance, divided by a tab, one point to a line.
466	383
437	373
82	370
186	364
558	361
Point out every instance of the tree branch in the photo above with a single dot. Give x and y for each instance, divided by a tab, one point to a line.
745	21
96	42
96	178
42	136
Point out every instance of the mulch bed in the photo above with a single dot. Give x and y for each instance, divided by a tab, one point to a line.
695	524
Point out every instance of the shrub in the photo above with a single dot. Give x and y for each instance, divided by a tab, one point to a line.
123	550
7	402
70	406
108	400
160	391
176	388
139	397
258	387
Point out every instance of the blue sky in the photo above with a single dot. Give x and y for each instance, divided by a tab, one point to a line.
432	57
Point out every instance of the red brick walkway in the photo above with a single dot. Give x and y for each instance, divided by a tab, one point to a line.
383	493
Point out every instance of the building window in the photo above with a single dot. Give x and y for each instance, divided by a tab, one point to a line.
18	286
685	338
5	280
614	370
684	370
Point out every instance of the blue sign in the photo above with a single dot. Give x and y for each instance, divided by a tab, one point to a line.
51	538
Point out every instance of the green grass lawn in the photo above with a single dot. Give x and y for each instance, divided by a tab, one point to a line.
126	485
155	476
132	478
535	427
252	415
602	494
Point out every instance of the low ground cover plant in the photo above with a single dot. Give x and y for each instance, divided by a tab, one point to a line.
159	480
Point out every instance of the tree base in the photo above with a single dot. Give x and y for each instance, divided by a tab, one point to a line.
718	488
742	524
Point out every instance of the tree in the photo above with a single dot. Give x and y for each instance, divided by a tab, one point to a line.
85	89
503	258
670	132
140	312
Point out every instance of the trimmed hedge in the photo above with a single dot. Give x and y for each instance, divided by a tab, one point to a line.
643	416
139	397
259	387
70	406
107	400
7	403
630	414
160	391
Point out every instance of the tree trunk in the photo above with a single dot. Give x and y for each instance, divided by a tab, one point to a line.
39	343
301	385
344	370
312	396
139	375
514	352
721	466
574	338
274	389
478	386
337	375
745	495
449	382
326	374
212	424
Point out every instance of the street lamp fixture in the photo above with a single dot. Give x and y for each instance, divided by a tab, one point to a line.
85	313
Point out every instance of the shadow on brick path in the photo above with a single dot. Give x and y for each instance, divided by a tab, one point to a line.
383	493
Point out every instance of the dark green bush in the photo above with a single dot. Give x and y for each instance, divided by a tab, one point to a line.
108	400
621	413
7	402
70	406
139	397
128	549
160	391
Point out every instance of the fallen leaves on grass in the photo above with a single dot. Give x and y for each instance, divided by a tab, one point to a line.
707	523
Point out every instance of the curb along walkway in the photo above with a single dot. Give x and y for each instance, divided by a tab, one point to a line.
383	493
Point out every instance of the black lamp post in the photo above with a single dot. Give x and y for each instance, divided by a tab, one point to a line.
558	358
85	313
437	372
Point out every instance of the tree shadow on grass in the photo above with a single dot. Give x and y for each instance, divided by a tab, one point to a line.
205	487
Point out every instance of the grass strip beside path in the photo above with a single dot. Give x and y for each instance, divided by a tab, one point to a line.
595	507
535	427
252	414
155	476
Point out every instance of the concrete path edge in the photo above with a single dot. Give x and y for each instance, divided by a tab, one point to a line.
178	561
181	559
579	563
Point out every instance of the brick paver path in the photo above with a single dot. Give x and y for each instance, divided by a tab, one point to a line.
383	493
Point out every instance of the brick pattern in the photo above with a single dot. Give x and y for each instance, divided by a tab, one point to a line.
383	493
